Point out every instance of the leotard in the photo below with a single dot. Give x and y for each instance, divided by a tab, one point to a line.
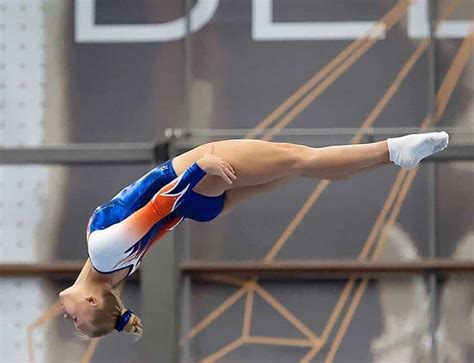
121	231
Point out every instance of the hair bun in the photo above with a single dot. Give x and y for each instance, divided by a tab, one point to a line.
134	326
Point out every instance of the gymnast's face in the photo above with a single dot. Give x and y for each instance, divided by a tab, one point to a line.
78	306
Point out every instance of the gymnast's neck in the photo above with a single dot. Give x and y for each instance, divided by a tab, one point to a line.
89	276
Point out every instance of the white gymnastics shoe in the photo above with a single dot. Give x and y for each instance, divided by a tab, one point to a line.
407	151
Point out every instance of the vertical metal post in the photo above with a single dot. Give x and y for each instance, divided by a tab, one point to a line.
185	346
181	290
159	284
188	84
432	253
184	282
188	63
432	178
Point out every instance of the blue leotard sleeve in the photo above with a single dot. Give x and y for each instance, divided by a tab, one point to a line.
190	178
194	174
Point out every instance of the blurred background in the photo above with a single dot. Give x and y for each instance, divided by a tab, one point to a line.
93	93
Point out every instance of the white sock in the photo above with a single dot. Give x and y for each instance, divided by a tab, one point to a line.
407	151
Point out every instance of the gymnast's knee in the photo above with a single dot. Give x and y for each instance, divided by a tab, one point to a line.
296	158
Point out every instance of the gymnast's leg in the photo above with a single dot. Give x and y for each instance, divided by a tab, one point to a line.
260	162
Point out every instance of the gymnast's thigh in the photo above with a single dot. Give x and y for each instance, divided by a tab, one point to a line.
255	162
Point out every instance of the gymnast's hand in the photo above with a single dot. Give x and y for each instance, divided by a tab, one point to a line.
215	165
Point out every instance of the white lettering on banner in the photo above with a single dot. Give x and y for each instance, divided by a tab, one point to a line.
263	27
86	31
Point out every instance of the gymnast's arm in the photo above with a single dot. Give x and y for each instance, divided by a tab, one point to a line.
120	236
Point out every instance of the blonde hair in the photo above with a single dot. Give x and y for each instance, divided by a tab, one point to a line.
105	317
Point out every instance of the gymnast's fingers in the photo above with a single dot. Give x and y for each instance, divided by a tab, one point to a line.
227	165
230	167
224	176
229	172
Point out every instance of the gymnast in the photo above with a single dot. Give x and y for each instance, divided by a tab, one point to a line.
200	185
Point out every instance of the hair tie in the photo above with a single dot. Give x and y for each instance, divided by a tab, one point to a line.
122	321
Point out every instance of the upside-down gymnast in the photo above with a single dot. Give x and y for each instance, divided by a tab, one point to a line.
201	184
